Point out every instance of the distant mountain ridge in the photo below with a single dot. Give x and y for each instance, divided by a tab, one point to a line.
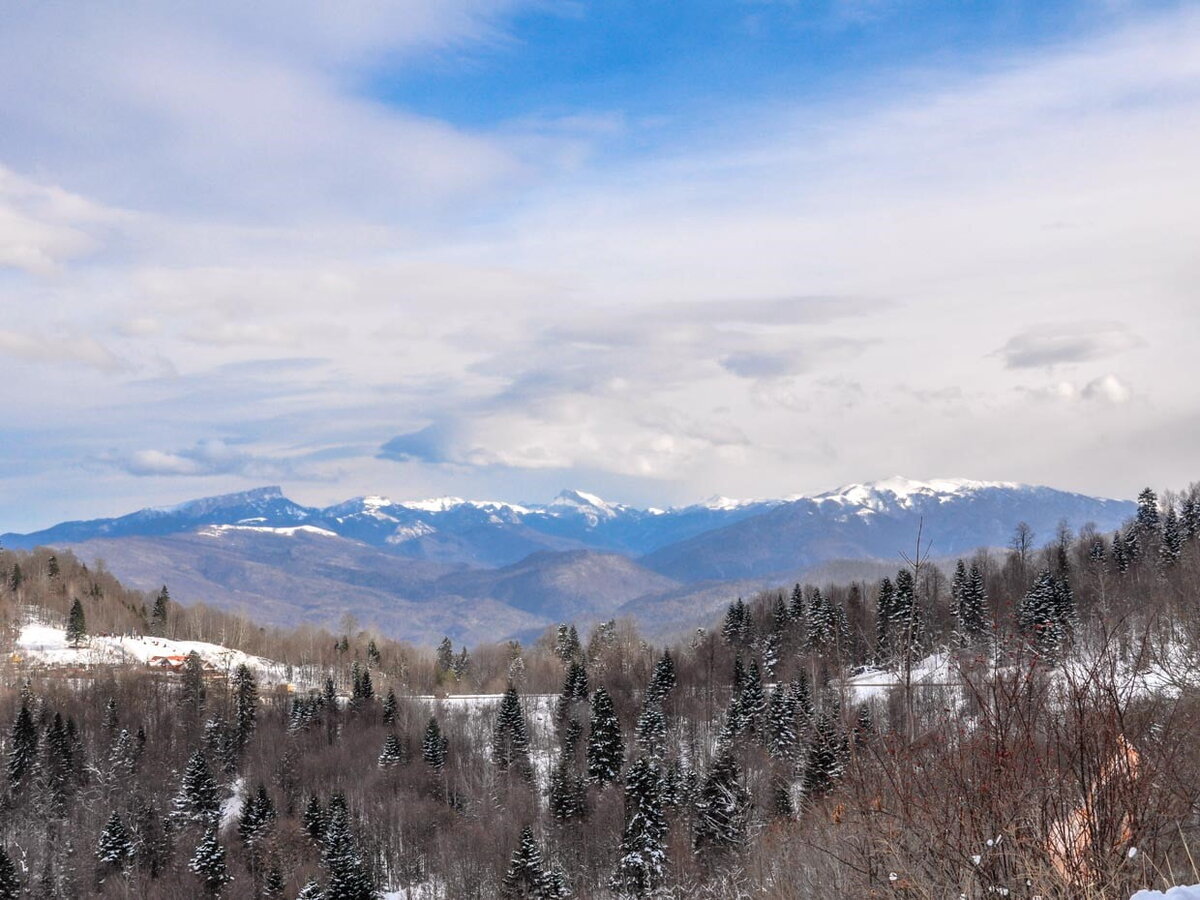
494	568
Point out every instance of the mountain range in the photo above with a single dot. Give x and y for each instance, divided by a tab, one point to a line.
484	570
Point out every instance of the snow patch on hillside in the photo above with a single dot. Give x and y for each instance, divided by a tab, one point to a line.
289	531
44	644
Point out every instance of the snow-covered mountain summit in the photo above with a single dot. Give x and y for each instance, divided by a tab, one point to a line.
713	538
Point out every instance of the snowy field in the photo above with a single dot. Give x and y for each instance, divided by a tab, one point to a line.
1176	893
42	644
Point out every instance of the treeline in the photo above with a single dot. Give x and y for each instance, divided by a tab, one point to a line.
1023	724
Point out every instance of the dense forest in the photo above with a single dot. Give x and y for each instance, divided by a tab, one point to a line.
1023	723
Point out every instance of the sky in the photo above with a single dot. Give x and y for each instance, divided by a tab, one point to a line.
655	250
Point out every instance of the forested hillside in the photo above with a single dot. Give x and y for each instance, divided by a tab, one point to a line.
1025	723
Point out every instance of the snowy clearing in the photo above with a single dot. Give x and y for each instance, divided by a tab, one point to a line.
42	644
1182	892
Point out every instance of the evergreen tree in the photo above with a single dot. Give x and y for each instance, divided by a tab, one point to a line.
884	618
22	746
197	799
193	681
782	806
566	643
958	585
782	741
314	819
158	618
1189	516
151	842
796	605
113	851
826	758
510	737
10	878
971	611
1146	518
722	809
445	655
273	883
1121	556
525	878
753	701
76	624
374	657
258	815
605	747
389	708
349	878
823	624
245	706
662	680
906	625
1171	546
651	732
642	864
433	746
208	864
311	891
1046	613
801	700
568	794
111	718
393	754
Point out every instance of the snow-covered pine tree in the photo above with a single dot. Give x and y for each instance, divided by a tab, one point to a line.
722	809
782	741
433	746
22	746
662	679
907	627
1189	516
1120	553
445	656
389	707
348	876
958	585
148	833
822	626
1146	519
651	732
1171	546
393	754
826	757
311	891
314	819
971	612
526	877
114	849
258	815
245	706
801	699
568	792
641	867
884	616
208	864
753	701
197	799
605	746
510	737
796	605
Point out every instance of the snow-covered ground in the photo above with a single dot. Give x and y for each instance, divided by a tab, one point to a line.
1182	892
42	644
874	684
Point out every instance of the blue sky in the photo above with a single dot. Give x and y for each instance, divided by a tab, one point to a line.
655	250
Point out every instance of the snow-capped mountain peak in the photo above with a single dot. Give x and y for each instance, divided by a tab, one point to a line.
903	492
583	502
